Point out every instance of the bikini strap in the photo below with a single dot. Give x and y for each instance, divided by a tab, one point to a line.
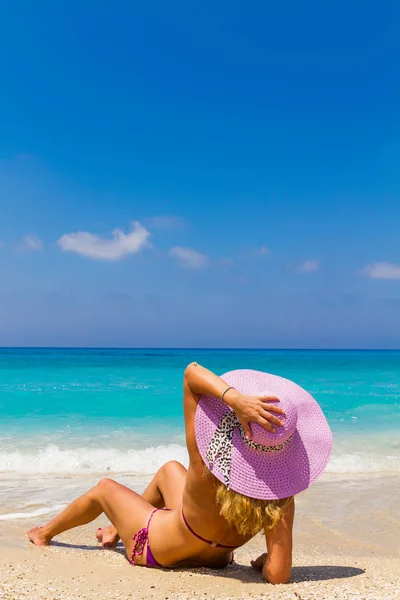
140	538
151	516
209	542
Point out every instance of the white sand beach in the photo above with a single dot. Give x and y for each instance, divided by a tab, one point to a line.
347	546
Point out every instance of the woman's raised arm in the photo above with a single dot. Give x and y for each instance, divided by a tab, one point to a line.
248	409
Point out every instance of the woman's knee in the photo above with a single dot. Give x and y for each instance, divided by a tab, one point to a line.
106	483
103	487
172	467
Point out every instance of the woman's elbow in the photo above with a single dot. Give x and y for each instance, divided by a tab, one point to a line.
278	580
189	371
277	577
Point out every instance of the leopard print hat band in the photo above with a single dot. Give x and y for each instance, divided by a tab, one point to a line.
220	447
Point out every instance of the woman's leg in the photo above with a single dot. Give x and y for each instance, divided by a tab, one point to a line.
165	490
126	510
166	487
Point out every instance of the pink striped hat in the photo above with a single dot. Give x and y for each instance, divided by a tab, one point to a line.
271	465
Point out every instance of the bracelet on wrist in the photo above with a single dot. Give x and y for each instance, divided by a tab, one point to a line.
227	390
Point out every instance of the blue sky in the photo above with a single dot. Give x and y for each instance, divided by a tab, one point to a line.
200	174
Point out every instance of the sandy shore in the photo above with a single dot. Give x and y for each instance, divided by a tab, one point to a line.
348	560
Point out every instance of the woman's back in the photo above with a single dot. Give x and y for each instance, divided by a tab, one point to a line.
202	511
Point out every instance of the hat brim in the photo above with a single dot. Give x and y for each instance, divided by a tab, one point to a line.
276	475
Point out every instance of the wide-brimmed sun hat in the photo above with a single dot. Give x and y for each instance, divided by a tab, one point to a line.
272	465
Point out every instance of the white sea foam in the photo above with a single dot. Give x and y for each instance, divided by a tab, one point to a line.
363	463
40	481
78	461
52	460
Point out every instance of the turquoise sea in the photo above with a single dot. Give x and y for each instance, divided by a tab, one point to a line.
71	416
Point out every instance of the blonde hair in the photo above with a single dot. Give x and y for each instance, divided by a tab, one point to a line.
248	515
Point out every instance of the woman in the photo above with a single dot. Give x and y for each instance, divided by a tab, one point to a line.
254	441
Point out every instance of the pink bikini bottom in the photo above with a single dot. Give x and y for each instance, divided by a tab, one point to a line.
142	536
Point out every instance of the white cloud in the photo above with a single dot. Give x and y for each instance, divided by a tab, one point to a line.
31	243
309	266
382	270
188	258
263	251
97	248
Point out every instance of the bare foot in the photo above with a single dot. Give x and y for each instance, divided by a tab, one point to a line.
108	536
37	536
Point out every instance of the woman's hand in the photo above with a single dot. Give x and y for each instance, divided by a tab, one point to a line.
259	563
255	409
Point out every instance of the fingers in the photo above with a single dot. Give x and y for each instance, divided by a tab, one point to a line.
259	562
258	409
247	429
271	418
266	424
272	407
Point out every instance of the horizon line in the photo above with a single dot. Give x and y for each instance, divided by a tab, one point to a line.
202	348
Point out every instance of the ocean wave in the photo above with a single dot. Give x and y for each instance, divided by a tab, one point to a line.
78	461
342	464
53	460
